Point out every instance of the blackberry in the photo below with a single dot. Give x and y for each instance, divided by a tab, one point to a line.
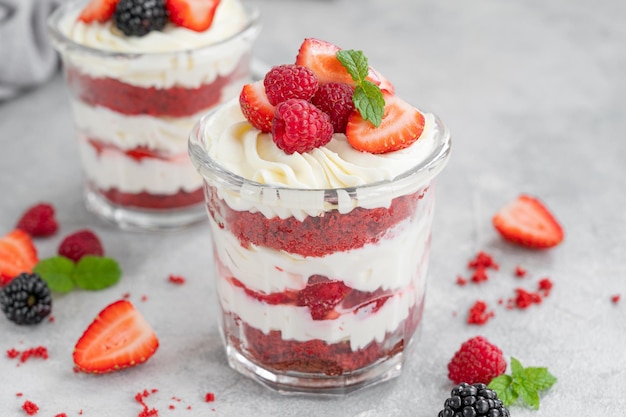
474	400
26	299
139	17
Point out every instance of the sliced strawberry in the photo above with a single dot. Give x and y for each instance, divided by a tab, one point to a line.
98	11
526	221
401	125
17	254
118	338
256	107
321	57
192	14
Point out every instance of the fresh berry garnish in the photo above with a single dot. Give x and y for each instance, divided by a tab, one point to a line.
80	243
98	11
299	126
256	107
118	338
321	296
140	17
39	221
289	81
401	125
528	222
17	254
321	57
472	401
196	15
477	361
335	99
26	299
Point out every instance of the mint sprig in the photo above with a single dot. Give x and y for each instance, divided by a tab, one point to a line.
367	97
89	273
524	383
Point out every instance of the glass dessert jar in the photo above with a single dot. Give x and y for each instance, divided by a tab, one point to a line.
135	100
321	290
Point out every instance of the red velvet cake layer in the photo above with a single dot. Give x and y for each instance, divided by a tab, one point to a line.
144	200
317	356
175	101
315	236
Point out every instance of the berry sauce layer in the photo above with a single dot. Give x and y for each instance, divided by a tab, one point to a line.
315	235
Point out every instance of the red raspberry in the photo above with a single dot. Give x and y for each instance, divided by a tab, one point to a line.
289	81
299	126
476	361
321	295
335	99
80	243
39	221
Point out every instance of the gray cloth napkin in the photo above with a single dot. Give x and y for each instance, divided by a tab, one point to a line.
27	58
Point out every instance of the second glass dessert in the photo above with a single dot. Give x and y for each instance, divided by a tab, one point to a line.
135	98
321	287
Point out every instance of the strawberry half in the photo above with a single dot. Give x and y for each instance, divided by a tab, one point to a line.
401	125
527	222
17	254
118	338
321	295
98	11
256	107
192	14
321	57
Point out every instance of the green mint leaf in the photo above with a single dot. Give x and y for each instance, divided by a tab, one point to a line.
367	97
527	392
96	272
517	370
503	386
539	377
355	62
369	101
57	272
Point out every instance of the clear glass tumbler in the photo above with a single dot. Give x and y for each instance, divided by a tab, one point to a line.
321	290
133	113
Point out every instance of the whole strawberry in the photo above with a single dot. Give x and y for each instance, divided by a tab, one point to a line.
39	221
477	361
81	243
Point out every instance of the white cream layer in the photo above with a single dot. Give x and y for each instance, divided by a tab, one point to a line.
251	154
295	323
112	169
389	264
173	56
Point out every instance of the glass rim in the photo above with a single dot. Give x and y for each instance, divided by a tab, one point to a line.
427	169
60	39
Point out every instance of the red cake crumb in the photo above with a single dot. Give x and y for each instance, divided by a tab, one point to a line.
36	352
483	260
545	286
209	397
171	407
520	272
61	415
615	298
145	200
460	281
176	279
524	299
129	99
314	236
478	313
480	275
51	319
19	394
144	298
146	411
30	408
126	295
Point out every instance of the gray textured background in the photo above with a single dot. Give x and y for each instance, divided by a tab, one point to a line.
533	92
